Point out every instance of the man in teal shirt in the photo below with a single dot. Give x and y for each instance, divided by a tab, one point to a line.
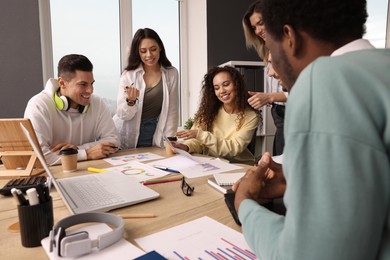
336	167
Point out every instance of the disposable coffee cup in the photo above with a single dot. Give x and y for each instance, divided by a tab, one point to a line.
168	148
69	160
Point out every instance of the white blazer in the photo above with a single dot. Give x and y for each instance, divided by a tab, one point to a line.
128	118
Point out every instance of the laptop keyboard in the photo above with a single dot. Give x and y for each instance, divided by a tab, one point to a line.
93	193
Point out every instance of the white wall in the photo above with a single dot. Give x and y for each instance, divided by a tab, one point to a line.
197	53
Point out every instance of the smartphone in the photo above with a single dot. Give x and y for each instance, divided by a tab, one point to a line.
229	200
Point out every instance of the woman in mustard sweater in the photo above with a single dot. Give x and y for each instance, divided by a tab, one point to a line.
225	123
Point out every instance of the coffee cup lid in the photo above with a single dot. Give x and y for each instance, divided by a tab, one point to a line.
68	151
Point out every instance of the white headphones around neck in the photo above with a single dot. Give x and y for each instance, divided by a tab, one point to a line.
63	103
78	244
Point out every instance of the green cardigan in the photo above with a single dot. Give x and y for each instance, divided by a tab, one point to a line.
336	163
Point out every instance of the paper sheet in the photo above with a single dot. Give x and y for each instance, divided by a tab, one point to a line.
203	238
194	166
120	250
138	170
141	157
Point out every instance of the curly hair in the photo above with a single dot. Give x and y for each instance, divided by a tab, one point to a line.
251	39
134	60
210	104
327	20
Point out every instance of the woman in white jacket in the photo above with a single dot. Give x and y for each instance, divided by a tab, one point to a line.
148	97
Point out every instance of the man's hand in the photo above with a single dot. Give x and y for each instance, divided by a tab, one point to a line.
261	183
101	150
62	146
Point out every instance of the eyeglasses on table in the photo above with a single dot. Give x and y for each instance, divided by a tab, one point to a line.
186	188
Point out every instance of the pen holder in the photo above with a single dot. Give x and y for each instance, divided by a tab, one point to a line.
35	222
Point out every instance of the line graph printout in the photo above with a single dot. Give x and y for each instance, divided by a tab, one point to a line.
203	238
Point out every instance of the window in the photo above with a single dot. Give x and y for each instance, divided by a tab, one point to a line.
102	30
164	19
93	32
376	22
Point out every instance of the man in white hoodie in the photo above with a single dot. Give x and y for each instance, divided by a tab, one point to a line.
67	115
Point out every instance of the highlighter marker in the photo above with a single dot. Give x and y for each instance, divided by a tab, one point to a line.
97	170
32	196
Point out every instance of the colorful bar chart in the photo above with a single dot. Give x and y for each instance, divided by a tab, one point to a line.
221	253
203	238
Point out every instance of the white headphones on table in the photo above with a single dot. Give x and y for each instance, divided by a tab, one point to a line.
78	244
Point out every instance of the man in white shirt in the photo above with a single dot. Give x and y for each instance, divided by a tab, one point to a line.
67	115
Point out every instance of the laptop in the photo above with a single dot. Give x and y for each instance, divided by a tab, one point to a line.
99	192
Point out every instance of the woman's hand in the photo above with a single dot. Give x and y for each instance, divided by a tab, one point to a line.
187	134
180	146
259	99
132	93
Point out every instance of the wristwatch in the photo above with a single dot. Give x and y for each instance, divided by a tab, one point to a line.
131	102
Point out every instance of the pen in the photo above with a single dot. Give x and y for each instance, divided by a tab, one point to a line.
130	85
49	183
15	195
97	170
46	191
41	193
22	200
157	181
165	169
139	215
32	196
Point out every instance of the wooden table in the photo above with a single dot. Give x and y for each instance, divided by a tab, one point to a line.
171	208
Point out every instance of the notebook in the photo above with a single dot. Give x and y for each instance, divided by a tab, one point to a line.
223	182
228	178
96	192
221	188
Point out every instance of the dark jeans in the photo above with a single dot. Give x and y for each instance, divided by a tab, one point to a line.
146	132
277	112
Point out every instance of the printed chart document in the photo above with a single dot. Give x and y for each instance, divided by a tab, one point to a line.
141	157
203	238
120	250
195	166
138	170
